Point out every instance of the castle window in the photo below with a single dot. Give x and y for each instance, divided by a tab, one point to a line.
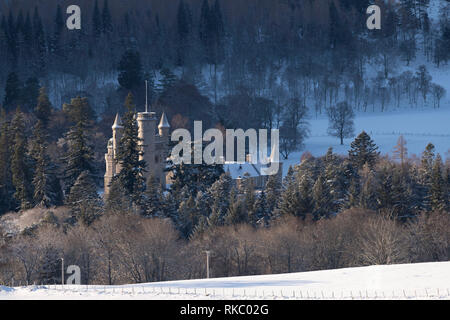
156	159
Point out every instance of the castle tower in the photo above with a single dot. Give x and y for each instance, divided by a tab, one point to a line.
154	146
112	166
147	134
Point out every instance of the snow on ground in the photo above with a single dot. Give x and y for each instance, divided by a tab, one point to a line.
419	127
407	281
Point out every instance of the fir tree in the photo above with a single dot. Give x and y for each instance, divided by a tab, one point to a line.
235	212
130	70
168	81
205	27
56	47
30	93
195	177
47	189
107	25
20	163
96	21
184	29
261	215
153	201
305	200
40	46
322	198
336	181
363	150
438	190
131	176
289	197
248	200
369	186
273	192
188	217
84	200
218	193
6	185
12	92
118	200
79	156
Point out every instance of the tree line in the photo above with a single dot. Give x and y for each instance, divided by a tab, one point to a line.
313	51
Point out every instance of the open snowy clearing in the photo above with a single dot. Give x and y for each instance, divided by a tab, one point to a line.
407	281
418	127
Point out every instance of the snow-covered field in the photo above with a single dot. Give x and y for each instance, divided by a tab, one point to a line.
407	281
417	127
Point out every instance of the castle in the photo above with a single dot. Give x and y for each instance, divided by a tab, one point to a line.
155	147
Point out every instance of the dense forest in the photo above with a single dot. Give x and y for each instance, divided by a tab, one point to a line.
314	51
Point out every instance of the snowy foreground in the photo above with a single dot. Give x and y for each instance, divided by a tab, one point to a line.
408	281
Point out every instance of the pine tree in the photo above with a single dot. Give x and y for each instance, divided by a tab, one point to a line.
79	156
363	150
83	199
184	29
289	196
30	93
12	92
305	200
188	218
205	28
261	215
153	202
168	81
235	213
273	192
248	200
335	180
218	33
107	26
40	45
369	186
220	202
47	189
6	185
130	70
96	21
56	46
195	177
20	163
131	176
118	200
438	190
322	198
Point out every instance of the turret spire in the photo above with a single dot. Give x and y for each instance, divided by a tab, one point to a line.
163	123
117	122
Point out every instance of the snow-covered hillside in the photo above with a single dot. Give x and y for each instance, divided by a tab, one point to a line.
407	281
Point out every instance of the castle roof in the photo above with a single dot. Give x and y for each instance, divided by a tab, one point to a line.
164	123
117	122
